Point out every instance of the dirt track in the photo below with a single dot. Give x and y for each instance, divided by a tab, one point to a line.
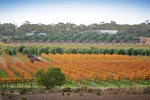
77	96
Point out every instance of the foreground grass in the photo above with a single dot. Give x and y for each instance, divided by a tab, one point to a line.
71	84
102	84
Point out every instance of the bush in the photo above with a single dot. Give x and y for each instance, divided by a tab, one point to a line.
90	90
40	51
66	89
23	91
50	78
135	52
148	52
143	52
105	51
82	51
111	51
98	92
121	51
89	51
20	48
75	90
10	52
25	50
147	90
129	51
59	50
73	51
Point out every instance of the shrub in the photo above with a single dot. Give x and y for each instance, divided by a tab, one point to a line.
111	51
73	51
143	52
147	90
98	92
20	48
105	51
23	91
135	52
67	89
121	51
59	50
50	78
129	51
10	52
40	51
89	90
75	90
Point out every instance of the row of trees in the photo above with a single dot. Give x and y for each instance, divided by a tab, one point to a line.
37	50
142	29
88	37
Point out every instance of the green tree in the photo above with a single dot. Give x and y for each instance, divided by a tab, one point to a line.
105	51
102	37
10	52
49	78
135	52
111	51
143	52
129	39
59	50
129	51
41	50
73	50
121	51
20	48
89	51
136	40
25	51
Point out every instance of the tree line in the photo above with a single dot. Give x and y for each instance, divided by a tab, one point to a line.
80	38
38	50
9	29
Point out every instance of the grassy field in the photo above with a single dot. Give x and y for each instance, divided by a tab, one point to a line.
83	45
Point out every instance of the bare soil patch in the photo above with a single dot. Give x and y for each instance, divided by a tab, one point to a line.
75	96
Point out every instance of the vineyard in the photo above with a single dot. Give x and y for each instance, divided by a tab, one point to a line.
87	69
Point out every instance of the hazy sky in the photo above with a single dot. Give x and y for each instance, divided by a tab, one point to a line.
74	11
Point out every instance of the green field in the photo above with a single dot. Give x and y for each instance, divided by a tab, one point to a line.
84	45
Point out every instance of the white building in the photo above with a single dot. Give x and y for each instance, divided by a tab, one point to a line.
100	31
42	34
108	31
30	34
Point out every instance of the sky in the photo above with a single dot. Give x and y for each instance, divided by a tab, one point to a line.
74	11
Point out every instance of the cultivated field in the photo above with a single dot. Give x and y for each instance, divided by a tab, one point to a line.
106	75
90	70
